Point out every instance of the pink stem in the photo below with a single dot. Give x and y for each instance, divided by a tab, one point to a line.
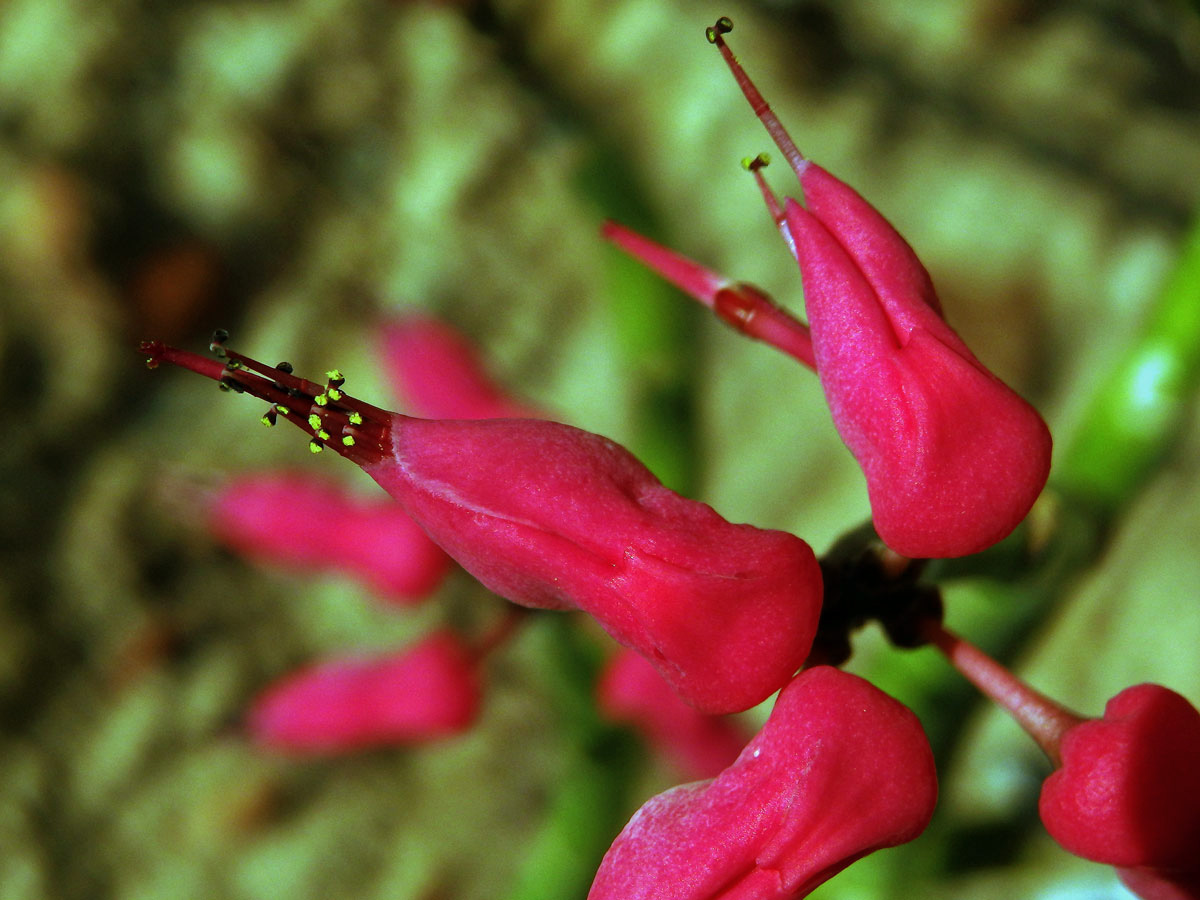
1042	718
743	306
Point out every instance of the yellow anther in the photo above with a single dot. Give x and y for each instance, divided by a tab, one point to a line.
314	421
356	418
334	394
334	375
321	399
266	420
315	447
323	434
282	410
348	441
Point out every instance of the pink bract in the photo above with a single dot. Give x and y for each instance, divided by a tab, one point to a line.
550	516
953	458
839	770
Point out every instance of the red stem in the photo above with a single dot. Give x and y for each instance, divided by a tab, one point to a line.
1042	718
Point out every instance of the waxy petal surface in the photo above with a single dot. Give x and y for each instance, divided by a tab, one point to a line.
839	770
1128	791
550	516
953	458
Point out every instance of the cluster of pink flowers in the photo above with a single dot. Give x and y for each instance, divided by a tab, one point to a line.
716	616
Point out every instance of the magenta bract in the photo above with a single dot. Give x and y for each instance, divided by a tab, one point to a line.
953	458
1128	791
550	516
839	770
304	523
427	691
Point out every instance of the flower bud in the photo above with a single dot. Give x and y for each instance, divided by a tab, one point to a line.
1128	791
839	770
303	523
427	691
631	691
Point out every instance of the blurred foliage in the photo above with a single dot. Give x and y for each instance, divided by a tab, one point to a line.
293	171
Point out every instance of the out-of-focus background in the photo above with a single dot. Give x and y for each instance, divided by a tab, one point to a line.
296	171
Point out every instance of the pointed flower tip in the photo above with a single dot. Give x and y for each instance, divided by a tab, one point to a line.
553	517
1128	791
301	523
839	770
423	693
742	306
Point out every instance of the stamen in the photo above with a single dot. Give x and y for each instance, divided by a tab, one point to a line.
277	385
761	108
754	167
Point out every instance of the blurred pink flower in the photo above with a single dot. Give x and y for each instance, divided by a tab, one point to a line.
438	374
424	692
305	523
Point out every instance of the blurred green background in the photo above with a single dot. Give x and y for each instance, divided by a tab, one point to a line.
293	171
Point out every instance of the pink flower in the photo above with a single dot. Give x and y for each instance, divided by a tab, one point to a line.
553	517
839	770
439	374
631	691
425	692
302	523
953	458
1128	791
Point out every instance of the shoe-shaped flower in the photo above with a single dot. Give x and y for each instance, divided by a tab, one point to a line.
840	770
554	517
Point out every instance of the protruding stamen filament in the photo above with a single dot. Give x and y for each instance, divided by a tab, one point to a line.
778	216
761	108
743	306
363	430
